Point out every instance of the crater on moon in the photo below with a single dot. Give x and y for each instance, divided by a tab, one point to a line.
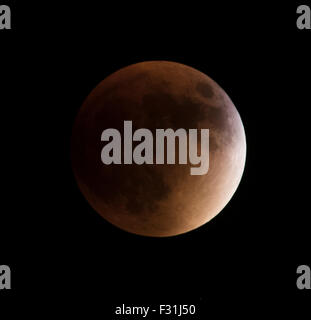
205	90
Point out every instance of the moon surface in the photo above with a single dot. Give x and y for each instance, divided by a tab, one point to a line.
152	199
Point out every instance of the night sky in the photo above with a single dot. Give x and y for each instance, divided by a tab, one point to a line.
62	254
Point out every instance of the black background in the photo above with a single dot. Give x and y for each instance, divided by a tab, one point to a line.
65	259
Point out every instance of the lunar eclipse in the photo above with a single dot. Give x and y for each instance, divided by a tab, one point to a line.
151	199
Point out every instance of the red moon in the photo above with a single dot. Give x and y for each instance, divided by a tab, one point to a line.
152	199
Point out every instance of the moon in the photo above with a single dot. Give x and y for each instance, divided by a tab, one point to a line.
151	199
